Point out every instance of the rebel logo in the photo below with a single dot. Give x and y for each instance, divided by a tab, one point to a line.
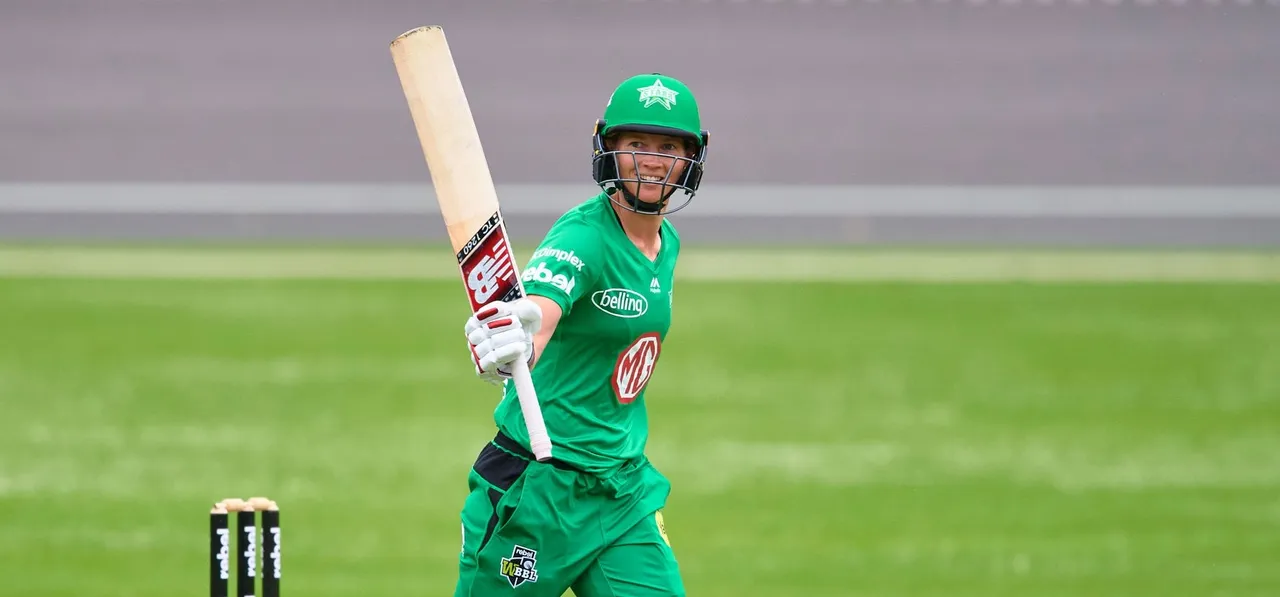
224	553
635	366
540	273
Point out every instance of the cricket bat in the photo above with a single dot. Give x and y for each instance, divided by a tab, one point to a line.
465	191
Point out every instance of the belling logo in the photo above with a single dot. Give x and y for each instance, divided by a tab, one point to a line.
620	302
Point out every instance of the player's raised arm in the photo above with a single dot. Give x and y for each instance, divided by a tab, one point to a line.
550	317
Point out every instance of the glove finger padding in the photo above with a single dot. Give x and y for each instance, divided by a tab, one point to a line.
487	331
494	377
499	333
500	347
529	314
486	314
501	355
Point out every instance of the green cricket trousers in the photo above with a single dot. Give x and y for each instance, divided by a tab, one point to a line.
533	529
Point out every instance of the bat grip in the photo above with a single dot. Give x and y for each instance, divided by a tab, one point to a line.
539	441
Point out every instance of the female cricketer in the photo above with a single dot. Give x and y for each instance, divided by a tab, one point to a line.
598	306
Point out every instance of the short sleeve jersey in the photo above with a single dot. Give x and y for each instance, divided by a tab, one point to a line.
616	305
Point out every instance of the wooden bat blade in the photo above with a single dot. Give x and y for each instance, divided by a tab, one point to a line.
446	130
459	169
464	190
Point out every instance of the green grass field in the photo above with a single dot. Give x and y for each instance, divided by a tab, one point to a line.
856	436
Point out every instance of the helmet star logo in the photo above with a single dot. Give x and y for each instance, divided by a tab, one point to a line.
658	94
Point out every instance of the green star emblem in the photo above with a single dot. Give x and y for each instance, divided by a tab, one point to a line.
658	94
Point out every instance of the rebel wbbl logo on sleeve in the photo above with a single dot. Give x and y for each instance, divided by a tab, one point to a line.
635	367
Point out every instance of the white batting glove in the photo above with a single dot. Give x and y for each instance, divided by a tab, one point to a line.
499	333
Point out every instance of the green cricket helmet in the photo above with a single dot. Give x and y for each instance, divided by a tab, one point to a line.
649	103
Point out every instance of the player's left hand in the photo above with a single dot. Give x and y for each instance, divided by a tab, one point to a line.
499	333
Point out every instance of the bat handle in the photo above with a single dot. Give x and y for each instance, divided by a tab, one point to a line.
539	441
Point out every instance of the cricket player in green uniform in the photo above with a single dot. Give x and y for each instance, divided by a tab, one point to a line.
599	304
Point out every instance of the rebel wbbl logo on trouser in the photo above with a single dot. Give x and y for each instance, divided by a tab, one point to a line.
521	567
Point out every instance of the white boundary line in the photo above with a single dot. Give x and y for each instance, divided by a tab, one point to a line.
714	199
756	265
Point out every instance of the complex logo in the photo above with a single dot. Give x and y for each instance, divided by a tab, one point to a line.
635	367
620	302
521	567
559	255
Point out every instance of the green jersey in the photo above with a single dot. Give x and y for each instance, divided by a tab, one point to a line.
592	374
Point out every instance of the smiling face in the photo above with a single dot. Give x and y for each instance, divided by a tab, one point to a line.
653	162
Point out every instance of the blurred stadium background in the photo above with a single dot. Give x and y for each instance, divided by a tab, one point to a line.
1047	229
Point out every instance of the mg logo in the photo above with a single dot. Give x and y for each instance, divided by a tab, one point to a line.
635	367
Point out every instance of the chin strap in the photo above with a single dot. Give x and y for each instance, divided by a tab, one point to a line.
643	207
